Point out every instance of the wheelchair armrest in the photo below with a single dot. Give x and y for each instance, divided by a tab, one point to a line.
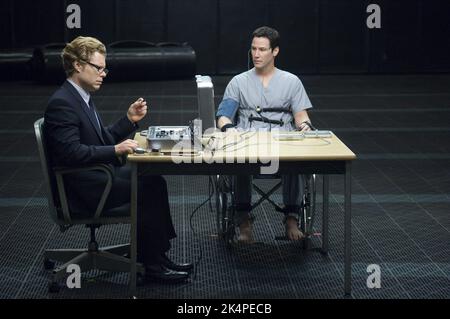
60	171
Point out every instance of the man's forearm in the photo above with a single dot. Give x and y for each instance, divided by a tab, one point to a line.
222	121
121	129
301	117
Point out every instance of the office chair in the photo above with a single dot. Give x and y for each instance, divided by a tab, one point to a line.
110	258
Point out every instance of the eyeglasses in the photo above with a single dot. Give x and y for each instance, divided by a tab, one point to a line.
99	69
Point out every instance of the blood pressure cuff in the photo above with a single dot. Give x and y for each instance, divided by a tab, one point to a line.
228	108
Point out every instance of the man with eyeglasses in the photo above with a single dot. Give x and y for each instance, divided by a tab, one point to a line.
76	136
265	98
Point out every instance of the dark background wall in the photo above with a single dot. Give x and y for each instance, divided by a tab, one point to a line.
318	36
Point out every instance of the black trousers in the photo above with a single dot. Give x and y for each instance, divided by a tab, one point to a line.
155	228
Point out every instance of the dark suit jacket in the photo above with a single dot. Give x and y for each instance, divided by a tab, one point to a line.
73	140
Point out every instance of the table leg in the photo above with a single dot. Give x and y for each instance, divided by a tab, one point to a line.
133	244
348	230
325	213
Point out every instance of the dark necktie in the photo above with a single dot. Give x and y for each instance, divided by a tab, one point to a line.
93	115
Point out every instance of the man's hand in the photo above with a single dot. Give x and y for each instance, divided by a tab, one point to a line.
231	129
300	118
304	127
126	147
223	120
137	110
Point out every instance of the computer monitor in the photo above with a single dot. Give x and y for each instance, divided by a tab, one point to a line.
206	108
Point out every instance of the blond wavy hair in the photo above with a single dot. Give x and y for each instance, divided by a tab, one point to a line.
80	49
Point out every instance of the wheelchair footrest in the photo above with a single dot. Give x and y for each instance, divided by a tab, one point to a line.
279	209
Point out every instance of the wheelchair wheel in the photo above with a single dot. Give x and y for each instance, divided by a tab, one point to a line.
221	209
224	209
308	206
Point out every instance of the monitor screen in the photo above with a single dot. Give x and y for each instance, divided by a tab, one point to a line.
206	107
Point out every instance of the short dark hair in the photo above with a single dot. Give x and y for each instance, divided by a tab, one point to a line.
269	33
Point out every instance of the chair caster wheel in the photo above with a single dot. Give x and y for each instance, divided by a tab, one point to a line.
49	264
53	287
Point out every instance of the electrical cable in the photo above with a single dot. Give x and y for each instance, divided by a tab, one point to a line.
197	239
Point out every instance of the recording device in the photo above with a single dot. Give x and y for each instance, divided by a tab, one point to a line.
164	138
195	127
167	139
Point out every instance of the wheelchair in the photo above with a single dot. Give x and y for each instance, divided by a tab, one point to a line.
226	209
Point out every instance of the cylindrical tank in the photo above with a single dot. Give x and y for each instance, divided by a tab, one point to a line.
15	64
141	60
47	65
126	60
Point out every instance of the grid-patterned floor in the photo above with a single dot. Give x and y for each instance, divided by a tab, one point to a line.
397	125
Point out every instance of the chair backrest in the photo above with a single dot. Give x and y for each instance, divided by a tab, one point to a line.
206	108
49	177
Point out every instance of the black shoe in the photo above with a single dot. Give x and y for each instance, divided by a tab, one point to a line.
169	264
160	274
